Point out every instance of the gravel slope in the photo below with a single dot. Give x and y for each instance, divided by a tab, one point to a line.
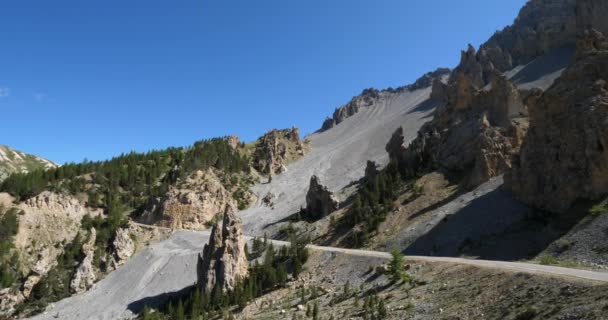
162	268
339	156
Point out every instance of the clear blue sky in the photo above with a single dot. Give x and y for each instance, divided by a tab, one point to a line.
91	79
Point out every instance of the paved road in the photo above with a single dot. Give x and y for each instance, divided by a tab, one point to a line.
503	265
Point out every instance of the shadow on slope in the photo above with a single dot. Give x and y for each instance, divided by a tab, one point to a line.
551	62
157	301
495	226
425	106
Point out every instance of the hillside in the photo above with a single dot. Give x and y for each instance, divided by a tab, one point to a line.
490	177
12	161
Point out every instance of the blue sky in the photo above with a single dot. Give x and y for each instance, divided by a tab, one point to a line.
91	79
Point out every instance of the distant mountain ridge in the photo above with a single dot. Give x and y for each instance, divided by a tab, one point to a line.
12	161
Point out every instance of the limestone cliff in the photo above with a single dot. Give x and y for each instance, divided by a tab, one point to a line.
564	157
191	203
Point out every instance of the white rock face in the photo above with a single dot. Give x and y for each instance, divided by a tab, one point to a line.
46	220
85	274
192	204
123	246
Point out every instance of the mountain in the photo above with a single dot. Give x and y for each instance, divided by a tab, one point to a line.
487	175
13	161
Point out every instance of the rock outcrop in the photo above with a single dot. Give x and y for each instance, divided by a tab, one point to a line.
85	273
124	247
541	26
191	204
223	261
275	149
320	202
564	157
428	78
366	99
474	133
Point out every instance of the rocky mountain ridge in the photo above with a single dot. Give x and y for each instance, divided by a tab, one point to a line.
371	96
13	161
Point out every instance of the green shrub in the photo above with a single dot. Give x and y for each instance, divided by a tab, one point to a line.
548	260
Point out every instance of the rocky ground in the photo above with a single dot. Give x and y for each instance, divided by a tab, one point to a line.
439	291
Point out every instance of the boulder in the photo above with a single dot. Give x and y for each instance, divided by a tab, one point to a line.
85	273
223	261
320	202
564	157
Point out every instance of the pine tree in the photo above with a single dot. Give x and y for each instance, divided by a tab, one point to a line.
397	267
179	312
315	311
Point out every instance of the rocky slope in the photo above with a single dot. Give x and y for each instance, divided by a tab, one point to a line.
12	161
563	158
191	204
371	96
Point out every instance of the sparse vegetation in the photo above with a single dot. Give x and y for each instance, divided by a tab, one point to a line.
372	203
599	209
263	277
548	259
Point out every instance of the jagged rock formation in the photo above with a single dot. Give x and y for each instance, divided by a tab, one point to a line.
564	156
85	273
541	26
320	202
475	132
371	96
367	98
275	149
124	247
12	161
191	204
223	261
